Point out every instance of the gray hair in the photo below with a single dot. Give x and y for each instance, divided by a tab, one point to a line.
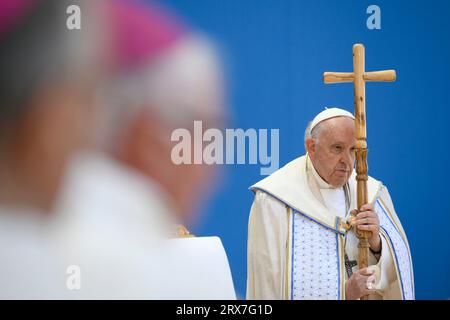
308	131
314	133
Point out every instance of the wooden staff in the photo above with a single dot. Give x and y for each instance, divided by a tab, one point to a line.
359	78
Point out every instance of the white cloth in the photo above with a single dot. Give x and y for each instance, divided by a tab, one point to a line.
115	225
29	268
292	192
110	223
201	268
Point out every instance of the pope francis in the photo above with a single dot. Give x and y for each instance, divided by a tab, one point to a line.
301	237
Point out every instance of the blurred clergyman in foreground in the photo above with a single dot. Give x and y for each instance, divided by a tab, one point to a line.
47	81
89	193
123	198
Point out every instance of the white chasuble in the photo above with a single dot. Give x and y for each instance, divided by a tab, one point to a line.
297	243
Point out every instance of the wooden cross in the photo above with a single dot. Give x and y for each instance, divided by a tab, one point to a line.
359	77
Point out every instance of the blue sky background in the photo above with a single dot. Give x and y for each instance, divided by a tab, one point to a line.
276	51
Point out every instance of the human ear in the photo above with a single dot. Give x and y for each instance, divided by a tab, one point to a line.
310	147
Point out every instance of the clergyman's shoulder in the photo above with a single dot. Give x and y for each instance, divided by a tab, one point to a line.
373	180
262	197
385	196
279	177
266	207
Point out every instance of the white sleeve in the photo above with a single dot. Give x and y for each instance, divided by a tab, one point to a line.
267	238
387	267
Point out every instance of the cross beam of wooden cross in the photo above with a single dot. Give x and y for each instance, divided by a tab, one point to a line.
359	77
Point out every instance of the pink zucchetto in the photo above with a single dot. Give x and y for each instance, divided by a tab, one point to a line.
140	32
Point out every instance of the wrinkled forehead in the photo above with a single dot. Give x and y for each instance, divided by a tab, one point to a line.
338	129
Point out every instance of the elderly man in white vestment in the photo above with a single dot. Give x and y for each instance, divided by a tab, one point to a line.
301	240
